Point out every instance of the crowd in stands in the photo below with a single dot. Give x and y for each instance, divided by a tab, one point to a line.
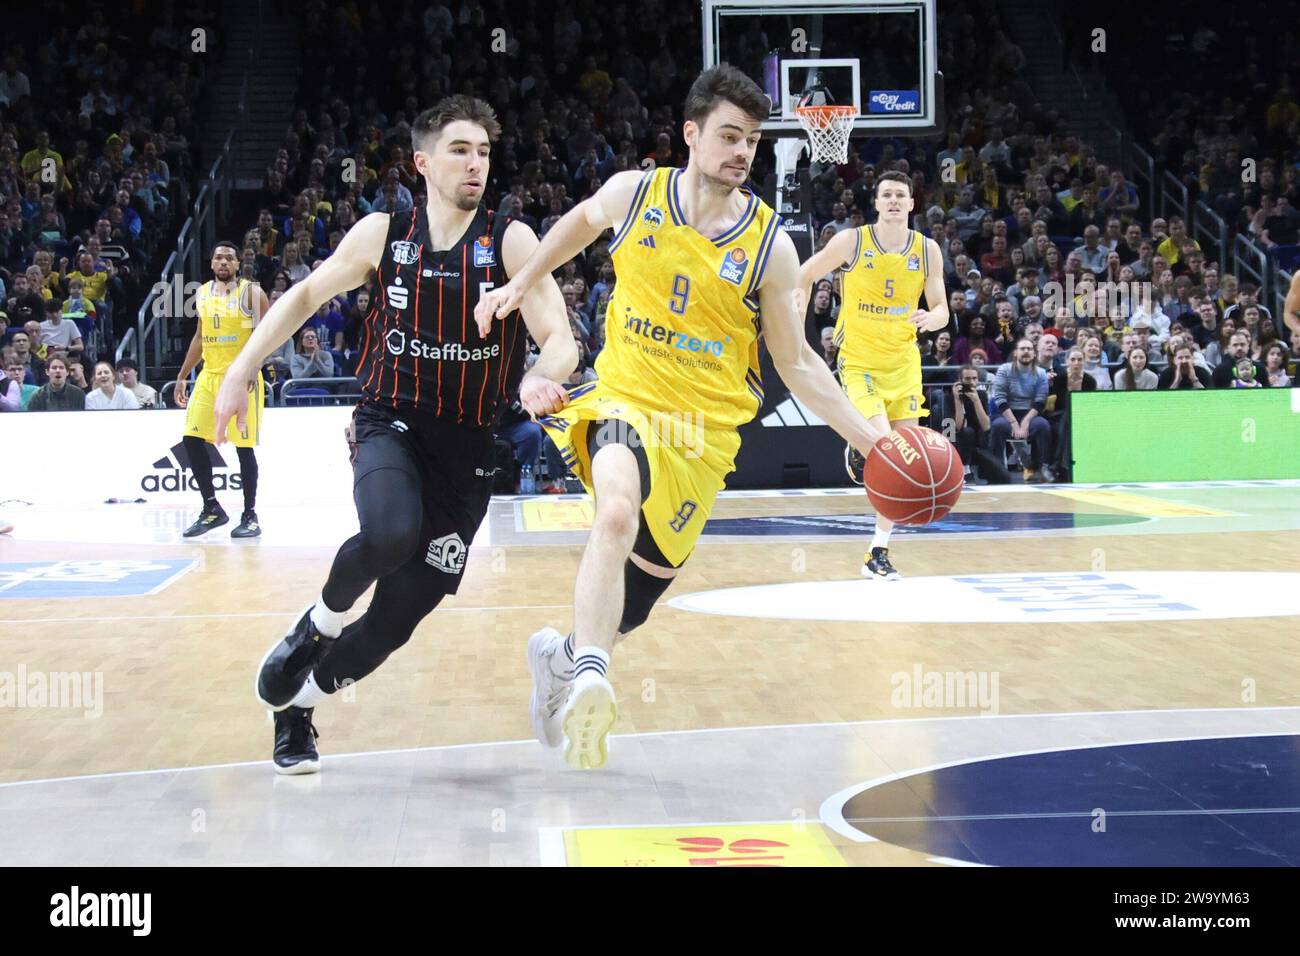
98	155
1047	253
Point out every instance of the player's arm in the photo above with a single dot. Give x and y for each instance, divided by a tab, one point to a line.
836	254
353	261
576	230
1291	307
802	369
544	314
193	355
258	304
937	316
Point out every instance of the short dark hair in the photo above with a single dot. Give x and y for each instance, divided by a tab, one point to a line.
234	246
428	126
57	357
132	364
725	82
893	176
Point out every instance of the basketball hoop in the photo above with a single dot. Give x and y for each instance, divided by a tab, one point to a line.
828	130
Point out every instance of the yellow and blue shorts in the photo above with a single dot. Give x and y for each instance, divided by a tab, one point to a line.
688	462
201	418
893	392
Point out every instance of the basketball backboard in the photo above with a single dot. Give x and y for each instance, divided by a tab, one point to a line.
878	55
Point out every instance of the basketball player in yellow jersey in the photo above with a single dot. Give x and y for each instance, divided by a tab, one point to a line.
886	268
229	309
701	269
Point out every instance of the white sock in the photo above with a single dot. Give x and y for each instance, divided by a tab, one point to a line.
562	660
329	623
590	658
880	539
310	695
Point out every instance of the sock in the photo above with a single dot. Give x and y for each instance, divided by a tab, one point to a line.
310	695
562	663
590	658
329	623
880	539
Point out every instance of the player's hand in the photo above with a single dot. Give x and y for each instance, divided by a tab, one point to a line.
182	394
926	322
496	304
232	402
541	396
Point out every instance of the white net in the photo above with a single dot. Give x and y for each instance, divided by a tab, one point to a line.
828	129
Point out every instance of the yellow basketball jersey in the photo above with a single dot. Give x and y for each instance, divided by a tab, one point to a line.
881	291
681	330
224	323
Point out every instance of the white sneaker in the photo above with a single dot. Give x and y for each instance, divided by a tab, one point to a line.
587	719
549	691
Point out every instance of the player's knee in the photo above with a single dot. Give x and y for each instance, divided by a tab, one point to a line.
618	515
640	592
389	542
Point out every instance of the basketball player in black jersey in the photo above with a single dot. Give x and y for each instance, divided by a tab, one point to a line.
422	457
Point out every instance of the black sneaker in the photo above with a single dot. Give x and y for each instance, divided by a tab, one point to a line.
248	526
295	742
287	664
877	566
208	519
853	464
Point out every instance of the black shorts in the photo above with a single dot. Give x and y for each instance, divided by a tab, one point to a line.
615	431
453	466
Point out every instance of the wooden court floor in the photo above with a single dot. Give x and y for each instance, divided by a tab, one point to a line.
177	666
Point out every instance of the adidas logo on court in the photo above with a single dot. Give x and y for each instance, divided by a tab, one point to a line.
648	241
791	412
177	476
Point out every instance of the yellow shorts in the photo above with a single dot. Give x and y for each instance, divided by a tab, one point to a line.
895	393
200	413
689	464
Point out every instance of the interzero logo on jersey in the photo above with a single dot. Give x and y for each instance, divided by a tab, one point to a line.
674	339
446	352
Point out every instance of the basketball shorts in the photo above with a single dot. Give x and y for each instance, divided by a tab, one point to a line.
201	418
688	463
452	465
893	392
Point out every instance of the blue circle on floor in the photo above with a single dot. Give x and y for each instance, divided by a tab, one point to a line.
1231	801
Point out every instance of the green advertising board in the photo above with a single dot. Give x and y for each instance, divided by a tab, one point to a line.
1186	435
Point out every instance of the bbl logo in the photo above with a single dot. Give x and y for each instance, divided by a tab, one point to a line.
733	266
485	253
405	253
913	263
653	217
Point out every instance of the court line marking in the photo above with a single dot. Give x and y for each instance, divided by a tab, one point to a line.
832	808
719	730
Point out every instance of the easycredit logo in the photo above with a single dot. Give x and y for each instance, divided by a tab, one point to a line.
894	101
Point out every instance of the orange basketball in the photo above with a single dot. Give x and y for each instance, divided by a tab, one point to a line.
913	475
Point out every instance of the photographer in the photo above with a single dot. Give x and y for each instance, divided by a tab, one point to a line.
971	428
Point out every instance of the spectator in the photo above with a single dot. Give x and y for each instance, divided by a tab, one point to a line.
310	360
972	428
35	367
1135	374
967	215
15	371
1275	366
59	335
79	310
975	338
1183	372
1171	250
1227	370
1092	363
107	394
1244	374
58	395
1018	399
941	356
129	373
1092	254
830	351
1048	358
1120	197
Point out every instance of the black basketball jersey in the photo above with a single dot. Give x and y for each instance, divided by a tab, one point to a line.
420	347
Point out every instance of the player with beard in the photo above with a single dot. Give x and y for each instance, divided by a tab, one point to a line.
229	309
701	270
423	452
